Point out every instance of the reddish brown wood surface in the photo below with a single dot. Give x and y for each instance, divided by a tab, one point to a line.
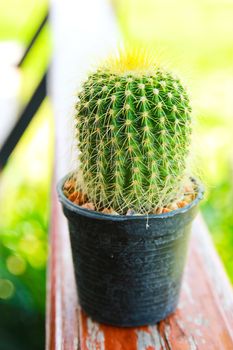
203	320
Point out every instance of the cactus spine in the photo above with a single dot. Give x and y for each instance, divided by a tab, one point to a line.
133	128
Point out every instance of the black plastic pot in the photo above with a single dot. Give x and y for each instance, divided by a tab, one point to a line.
128	269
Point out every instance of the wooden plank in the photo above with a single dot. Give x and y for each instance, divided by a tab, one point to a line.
75	47
62	318
203	320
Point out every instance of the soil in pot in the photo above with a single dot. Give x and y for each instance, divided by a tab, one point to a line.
76	196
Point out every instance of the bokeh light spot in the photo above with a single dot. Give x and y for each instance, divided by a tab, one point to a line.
16	265
6	289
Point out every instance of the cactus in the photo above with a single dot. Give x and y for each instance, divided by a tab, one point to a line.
133	128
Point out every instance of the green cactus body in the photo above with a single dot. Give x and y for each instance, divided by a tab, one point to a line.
133	133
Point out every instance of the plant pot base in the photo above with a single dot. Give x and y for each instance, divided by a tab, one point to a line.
128	322
128	269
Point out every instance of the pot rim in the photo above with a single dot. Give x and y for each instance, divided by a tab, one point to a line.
97	215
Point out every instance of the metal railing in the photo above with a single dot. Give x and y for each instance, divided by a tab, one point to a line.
29	109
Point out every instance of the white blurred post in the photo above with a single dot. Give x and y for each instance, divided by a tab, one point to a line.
10	54
82	33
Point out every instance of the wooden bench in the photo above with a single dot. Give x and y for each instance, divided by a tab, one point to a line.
204	317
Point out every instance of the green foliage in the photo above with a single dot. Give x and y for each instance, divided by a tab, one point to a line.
23	251
218	213
24	209
134	135
24	190
19	19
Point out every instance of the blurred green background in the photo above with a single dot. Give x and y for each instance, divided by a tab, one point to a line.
25	192
192	36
